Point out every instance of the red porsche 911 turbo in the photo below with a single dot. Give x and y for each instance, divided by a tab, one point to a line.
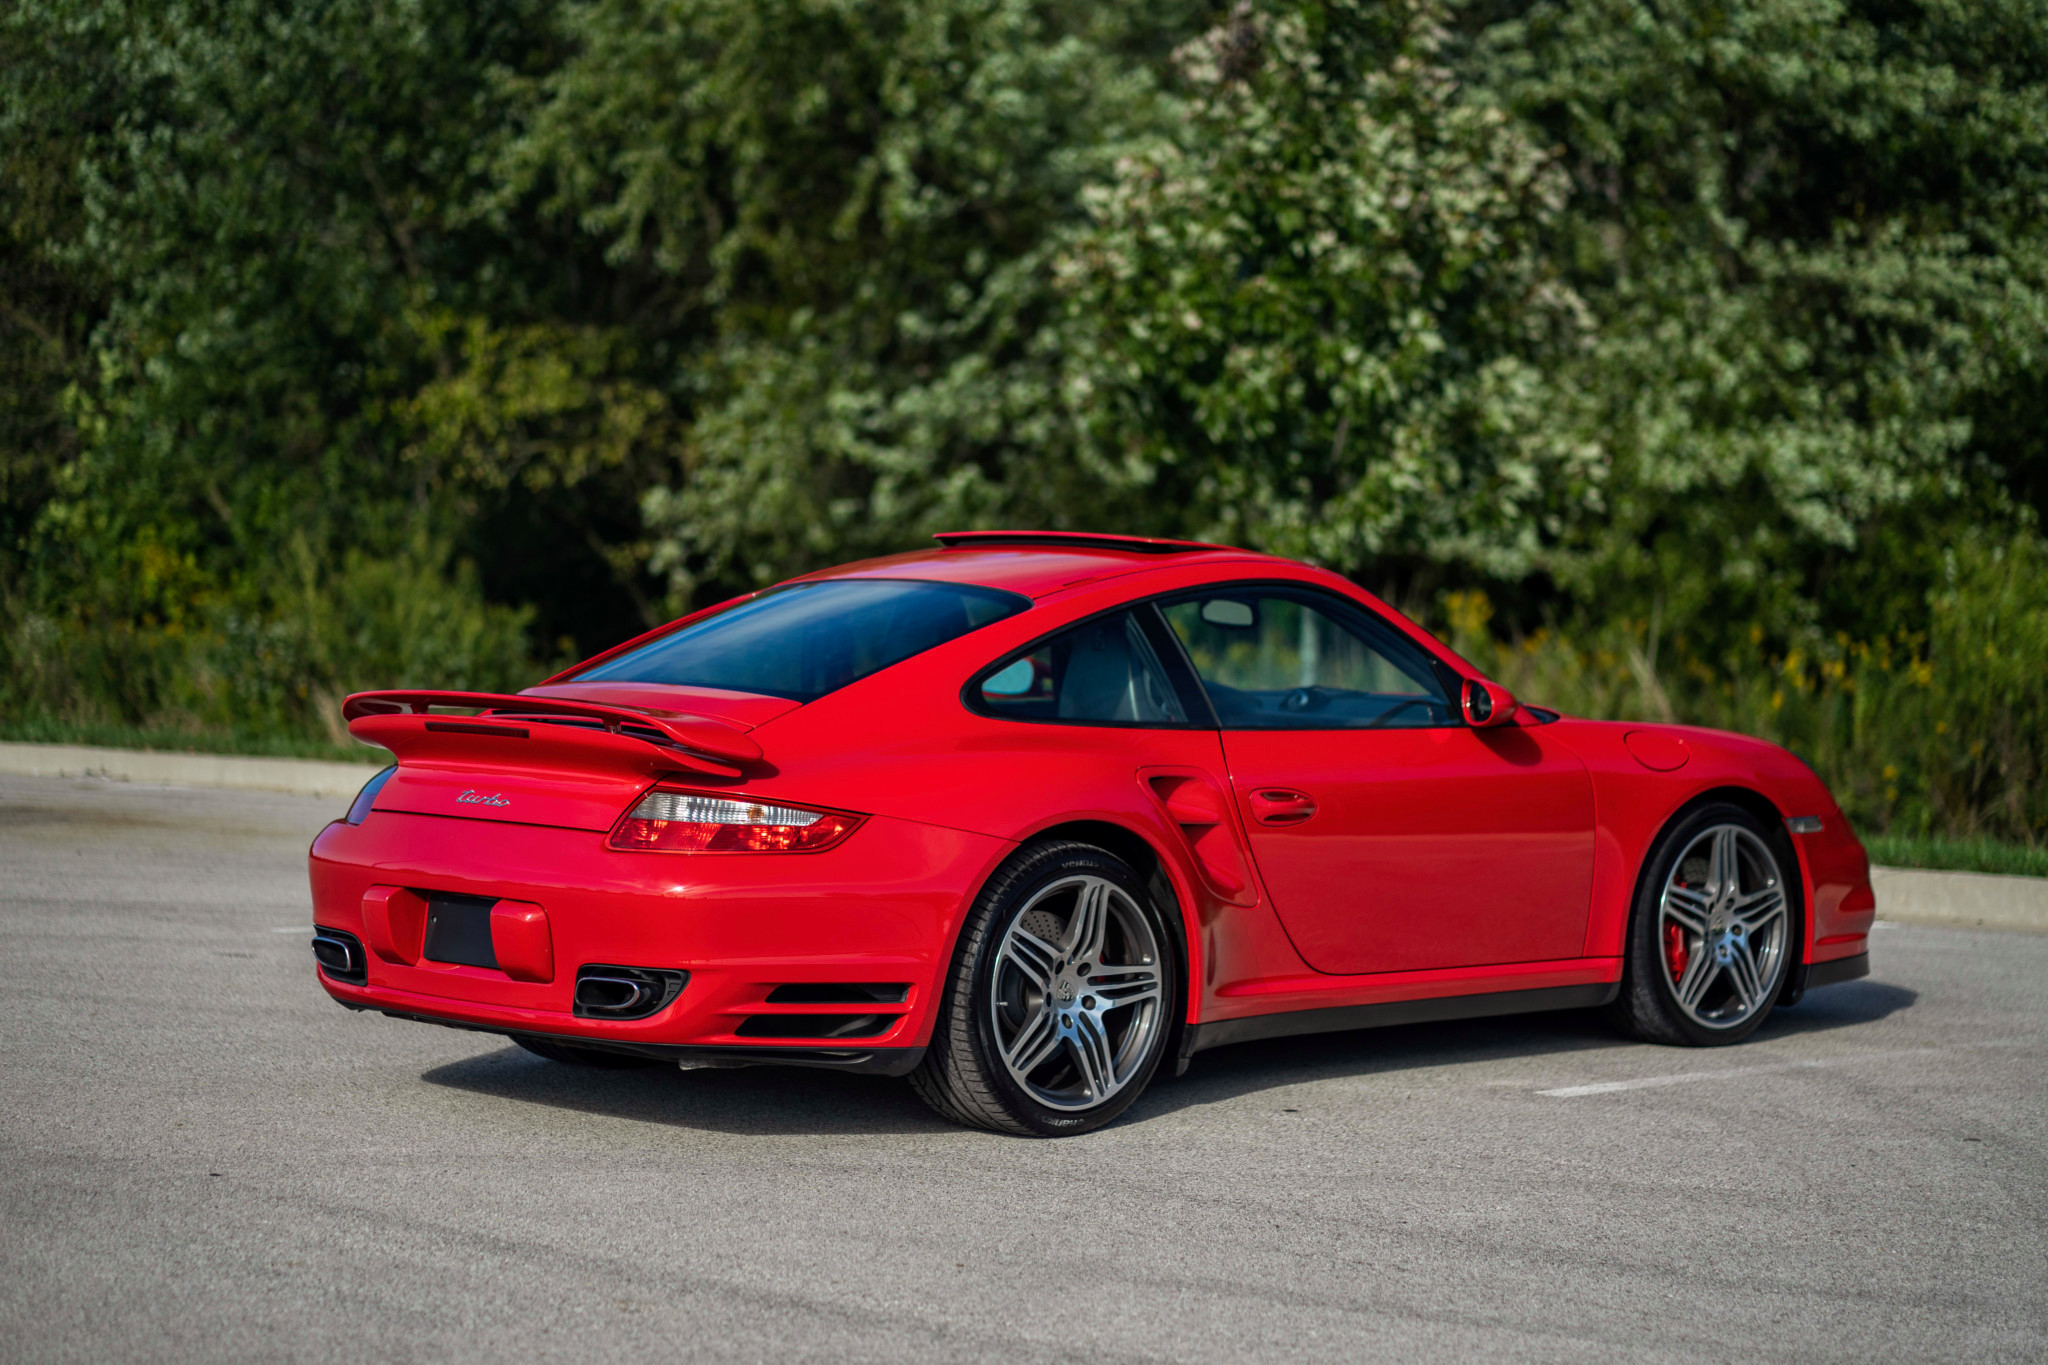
1031	815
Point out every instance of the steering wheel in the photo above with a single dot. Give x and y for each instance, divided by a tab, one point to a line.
1306	699
1396	709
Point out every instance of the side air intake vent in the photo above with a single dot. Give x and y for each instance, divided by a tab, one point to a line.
340	955
840	993
606	992
815	1025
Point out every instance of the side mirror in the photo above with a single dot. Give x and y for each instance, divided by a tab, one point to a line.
1487	704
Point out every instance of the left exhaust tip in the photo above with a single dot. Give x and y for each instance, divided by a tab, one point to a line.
340	955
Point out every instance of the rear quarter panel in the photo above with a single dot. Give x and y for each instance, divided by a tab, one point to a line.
902	743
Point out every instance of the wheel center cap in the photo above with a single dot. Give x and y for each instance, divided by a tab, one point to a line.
1064	989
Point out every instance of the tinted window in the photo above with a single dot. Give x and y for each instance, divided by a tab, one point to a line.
1101	672
1280	658
811	638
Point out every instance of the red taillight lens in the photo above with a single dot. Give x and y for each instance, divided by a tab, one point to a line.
665	821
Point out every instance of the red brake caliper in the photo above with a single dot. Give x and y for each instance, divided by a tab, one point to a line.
1675	951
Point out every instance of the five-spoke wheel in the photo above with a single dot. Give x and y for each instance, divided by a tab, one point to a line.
1721	924
1060	1000
1075	997
1712	934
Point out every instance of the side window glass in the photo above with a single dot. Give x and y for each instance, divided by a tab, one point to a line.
1101	672
1296	659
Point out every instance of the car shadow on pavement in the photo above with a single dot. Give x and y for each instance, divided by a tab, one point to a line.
767	1100
746	1100
1833	1007
1245	1068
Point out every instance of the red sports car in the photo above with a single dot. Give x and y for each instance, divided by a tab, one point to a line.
1029	816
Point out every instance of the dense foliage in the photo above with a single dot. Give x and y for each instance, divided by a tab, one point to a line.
1684	360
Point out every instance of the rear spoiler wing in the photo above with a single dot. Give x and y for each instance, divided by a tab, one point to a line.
692	741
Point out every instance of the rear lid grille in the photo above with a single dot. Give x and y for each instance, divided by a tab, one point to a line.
744	710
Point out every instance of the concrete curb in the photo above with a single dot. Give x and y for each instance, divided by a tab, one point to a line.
1961	900
296	776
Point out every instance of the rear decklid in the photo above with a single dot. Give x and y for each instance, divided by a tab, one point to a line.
537	760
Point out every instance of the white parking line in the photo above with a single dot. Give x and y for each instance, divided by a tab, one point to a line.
1568	1092
294	929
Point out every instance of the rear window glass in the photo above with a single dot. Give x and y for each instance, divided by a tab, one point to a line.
808	639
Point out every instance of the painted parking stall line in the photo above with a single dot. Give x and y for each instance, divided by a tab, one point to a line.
1571	1092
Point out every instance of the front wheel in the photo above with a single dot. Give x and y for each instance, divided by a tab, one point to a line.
1712	933
1060	1000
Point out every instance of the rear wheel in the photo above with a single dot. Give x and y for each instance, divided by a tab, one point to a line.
1059	1003
1711	937
571	1055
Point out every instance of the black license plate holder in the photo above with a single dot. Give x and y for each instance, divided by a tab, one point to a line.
459	930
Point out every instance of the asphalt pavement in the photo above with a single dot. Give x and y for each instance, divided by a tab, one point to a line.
203	1158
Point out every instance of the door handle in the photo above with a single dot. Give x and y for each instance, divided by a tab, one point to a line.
1281	806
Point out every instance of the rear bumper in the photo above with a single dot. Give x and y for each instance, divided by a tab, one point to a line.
874	1061
884	907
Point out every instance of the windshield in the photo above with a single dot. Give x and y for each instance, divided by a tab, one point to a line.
808	639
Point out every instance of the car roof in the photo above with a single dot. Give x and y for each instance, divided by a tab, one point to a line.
1035	563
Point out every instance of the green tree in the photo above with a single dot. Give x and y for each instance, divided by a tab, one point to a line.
263	200
1812	233
1318	317
841	220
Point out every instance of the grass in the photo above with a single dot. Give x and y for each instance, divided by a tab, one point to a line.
187	741
1957	855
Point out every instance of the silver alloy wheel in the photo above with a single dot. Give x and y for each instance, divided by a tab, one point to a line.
1722	926
1077	995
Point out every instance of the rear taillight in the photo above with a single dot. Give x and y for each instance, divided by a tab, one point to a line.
666	821
359	809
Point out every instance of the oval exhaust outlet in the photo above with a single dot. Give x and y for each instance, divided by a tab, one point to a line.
611	994
340	955
607	992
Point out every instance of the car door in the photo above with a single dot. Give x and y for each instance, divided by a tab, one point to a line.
1391	835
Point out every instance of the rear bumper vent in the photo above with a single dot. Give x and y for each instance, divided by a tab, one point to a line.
815	1025
606	992
340	955
840	993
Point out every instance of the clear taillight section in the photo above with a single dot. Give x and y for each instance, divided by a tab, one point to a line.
668	821
359	809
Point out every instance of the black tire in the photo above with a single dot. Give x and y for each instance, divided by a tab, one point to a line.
1649	1006
963	1076
571	1055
